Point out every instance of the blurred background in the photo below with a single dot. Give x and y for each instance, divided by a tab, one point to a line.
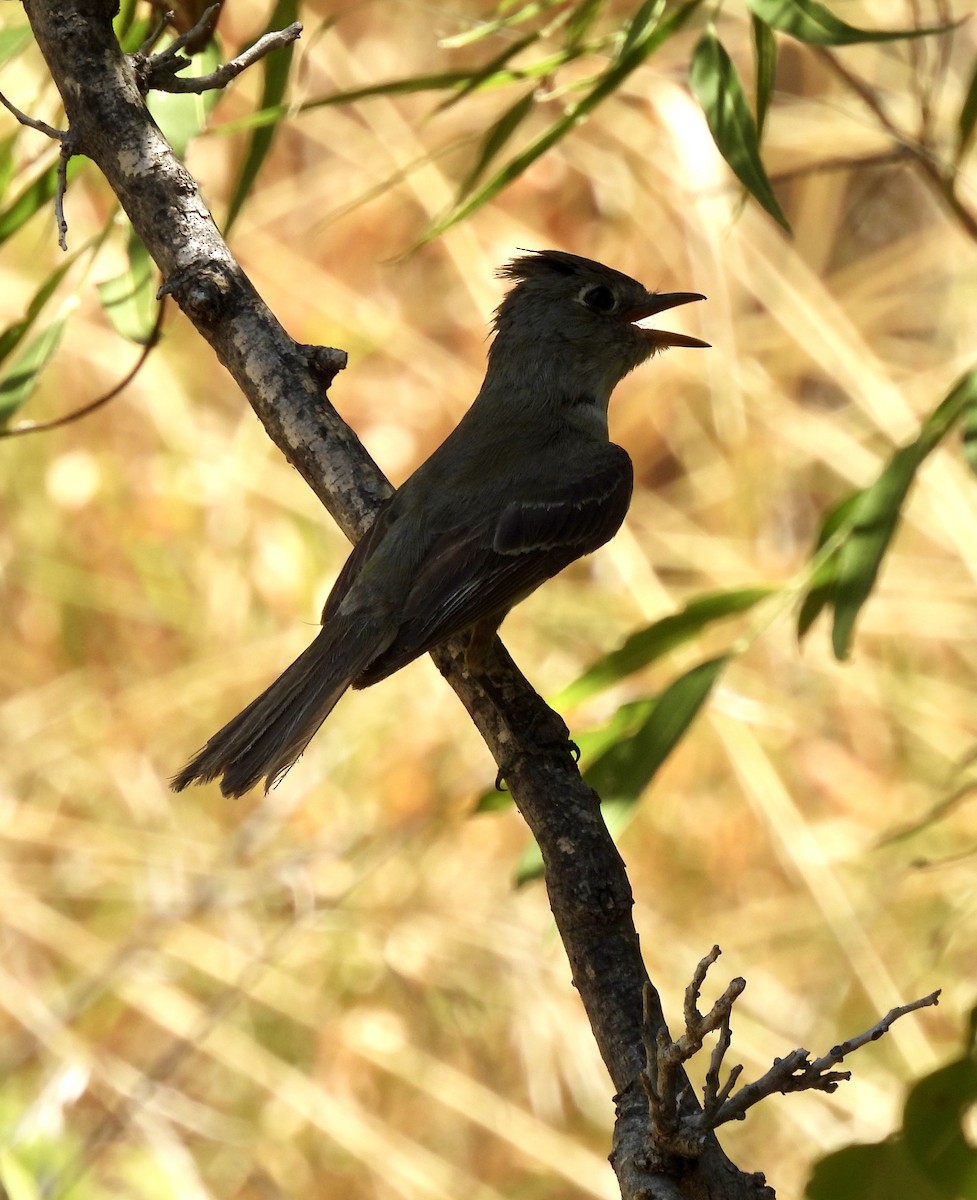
337	989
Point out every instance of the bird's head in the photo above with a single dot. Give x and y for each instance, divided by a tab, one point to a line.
585	317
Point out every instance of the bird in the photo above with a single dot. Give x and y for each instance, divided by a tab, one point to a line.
525	484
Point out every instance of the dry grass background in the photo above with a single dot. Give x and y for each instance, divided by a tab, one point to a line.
335	991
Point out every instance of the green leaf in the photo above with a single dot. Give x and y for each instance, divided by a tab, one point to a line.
928	1159
627	767
622	772
181	116
591	744
132	33
718	89
644	35
765	54
17	383
876	514
968	116
933	1126
276	69
17	1181
970	433
875	518
123	23
8	164
13	40
581	20
14	334
129	299
811	22
821	590
660	638
484	29
877	1171
392	87
496	138
38	194
644	20
493	67
846	578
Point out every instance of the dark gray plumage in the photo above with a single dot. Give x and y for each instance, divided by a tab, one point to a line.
527	483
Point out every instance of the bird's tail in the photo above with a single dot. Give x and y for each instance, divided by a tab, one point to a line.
267	737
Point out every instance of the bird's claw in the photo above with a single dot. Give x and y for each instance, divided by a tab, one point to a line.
565	745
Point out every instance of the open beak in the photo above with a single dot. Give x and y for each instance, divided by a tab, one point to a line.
660	338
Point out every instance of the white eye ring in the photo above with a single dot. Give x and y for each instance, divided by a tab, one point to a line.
598	298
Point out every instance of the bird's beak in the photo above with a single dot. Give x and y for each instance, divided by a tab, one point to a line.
660	338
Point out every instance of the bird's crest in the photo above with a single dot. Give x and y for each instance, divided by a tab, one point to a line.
534	263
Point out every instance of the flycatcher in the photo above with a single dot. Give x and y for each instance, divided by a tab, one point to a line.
528	482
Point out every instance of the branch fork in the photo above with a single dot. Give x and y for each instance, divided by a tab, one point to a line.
676	1124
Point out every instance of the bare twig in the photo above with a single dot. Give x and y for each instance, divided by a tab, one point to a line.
64	157
67	148
160	73
196	36
32	122
940	176
92	405
156	33
796	1074
675	1128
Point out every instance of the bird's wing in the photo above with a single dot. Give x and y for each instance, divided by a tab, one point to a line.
482	568
351	568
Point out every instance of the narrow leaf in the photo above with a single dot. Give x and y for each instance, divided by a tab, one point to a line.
18	1181
970	433
484	29
38	194
877	512
591	744
13	40
496	138
276	69
968	116
14	334
17	383
491	68
718	89
644	20
765	53
8	165
581	19
658	639
391	87
638	49
129	299
626	768
181	116
821	590
811	22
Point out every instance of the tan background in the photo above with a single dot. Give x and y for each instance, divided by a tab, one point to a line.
335	990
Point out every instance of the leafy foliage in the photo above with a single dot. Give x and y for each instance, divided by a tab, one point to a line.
860	529
929	1157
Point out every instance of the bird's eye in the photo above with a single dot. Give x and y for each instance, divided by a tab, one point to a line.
599	299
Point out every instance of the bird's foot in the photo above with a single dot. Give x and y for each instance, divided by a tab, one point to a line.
557	746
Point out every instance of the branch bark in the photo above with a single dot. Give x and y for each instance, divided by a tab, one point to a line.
586	879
